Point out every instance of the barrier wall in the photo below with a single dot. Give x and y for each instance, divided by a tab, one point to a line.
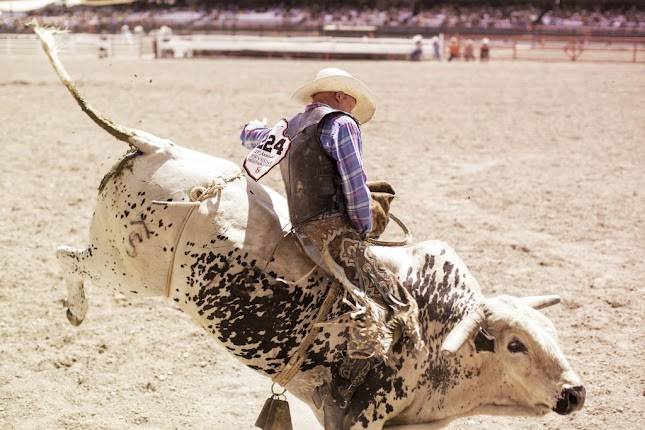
513	48
179	46
507	48
80	44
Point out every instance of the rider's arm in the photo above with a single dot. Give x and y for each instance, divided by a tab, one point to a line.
253	133
341	139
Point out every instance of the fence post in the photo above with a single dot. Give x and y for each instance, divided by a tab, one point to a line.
514	49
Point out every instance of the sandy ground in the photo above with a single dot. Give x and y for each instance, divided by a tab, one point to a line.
534	173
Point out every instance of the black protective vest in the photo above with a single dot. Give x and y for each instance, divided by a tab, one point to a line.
311	178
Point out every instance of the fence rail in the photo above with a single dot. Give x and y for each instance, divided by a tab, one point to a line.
270	46
504	48
558	48
81	44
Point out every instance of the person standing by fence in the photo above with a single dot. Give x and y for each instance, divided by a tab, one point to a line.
436	48
454	50
469	50
417	53
484	50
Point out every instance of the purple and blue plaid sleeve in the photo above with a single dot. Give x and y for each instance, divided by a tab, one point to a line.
251	137
341	139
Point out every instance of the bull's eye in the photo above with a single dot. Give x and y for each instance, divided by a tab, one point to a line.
516	346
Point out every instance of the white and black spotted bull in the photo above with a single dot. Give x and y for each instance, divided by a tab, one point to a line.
178	223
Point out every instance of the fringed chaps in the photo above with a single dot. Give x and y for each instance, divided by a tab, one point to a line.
382	310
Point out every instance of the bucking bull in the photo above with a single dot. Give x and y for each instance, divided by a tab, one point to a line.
178	223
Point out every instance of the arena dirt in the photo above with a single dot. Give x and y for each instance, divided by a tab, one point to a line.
534	173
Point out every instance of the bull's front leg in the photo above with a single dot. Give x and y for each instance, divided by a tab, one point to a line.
72	261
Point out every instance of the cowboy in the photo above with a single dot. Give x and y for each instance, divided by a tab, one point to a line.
484	50
469	50
454	49
417	53
333	212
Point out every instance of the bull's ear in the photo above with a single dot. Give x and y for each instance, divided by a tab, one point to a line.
541	302
484	341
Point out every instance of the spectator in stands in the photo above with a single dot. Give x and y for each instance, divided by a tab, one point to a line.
204	15
454	50
484	50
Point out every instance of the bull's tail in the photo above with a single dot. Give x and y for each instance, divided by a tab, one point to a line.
143	141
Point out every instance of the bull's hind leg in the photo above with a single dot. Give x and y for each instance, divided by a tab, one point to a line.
73	261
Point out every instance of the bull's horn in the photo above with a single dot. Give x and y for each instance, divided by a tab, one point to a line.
541	302
463	331
143	141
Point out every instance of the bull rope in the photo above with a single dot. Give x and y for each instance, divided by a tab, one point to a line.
197	195
295	362
404	228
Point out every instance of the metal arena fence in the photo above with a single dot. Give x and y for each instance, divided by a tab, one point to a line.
502	48
569	48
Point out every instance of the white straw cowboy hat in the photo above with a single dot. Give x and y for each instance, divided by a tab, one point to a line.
332	79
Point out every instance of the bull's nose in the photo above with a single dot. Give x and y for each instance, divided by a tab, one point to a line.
571	399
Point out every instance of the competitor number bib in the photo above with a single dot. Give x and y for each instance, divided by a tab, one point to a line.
269	152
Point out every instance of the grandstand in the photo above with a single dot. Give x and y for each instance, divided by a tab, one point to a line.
547	30
355	17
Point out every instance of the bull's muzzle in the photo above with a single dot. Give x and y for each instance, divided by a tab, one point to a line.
571	399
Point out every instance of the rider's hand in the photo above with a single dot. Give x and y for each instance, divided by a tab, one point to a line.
256	123
382	195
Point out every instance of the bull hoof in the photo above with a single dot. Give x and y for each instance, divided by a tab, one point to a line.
72	319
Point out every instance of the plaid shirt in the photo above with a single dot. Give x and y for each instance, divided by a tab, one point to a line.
341	139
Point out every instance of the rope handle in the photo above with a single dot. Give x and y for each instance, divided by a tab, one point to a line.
404	228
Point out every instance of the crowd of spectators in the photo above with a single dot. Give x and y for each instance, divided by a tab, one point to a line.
202	17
